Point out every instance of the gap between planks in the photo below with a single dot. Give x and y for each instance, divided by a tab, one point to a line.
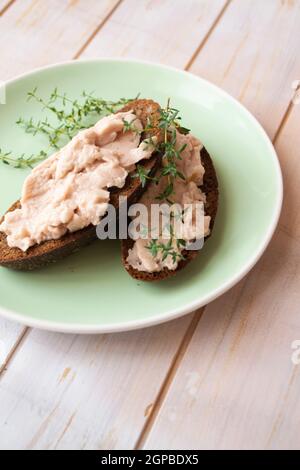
97	30
196	319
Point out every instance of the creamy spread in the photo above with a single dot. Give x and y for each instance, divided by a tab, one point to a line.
69	190
187	191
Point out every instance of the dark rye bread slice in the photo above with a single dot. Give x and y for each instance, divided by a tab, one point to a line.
210	188
51	251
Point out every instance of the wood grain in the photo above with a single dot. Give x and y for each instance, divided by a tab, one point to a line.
166	31
237	387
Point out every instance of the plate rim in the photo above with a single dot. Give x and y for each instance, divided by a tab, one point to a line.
79	328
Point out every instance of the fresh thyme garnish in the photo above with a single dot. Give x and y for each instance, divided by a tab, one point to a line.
166	249
69	117
169	124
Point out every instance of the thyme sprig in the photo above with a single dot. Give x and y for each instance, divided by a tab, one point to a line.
71	115
169	122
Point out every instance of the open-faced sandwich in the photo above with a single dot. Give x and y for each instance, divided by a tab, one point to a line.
65	197
142	153
194	185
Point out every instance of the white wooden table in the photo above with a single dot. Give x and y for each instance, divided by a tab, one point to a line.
223	377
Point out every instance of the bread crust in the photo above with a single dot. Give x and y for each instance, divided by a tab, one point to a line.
51	251
210	188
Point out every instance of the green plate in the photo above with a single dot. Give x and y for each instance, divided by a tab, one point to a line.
90	292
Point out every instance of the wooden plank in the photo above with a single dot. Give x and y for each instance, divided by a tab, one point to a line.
39	32
237	387
254	55
4	5
84	392
120	357
168	31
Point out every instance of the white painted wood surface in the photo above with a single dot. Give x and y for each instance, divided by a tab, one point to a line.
233	384
168	31
32	17
3	5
